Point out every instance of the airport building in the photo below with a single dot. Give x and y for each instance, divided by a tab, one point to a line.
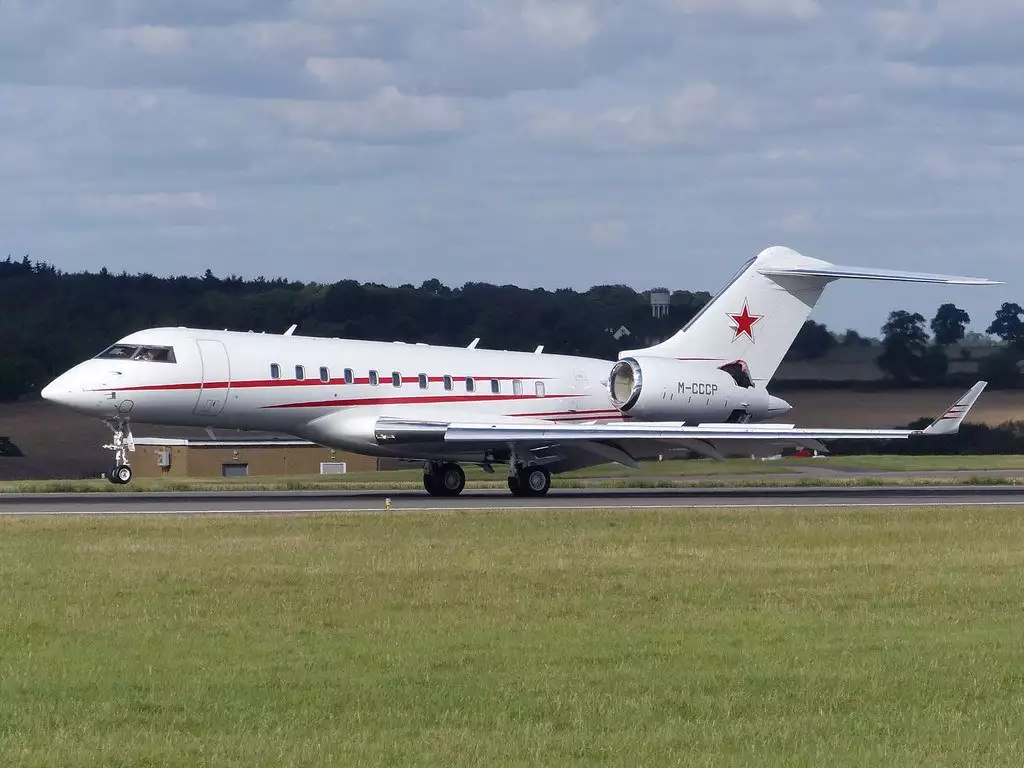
188	458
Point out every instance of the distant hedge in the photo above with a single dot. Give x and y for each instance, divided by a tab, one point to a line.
978	439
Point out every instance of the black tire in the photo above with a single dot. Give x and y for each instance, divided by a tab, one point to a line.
121	475
428	484
514	485
535	481
450	479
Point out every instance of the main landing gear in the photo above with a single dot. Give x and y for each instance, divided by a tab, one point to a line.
445	479
528	480
448	479
122	444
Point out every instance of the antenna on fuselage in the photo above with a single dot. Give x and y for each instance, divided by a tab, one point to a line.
291	330
538	350
473	343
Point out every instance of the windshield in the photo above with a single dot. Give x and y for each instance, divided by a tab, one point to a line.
135	352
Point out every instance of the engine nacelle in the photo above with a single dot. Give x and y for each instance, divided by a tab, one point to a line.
662	389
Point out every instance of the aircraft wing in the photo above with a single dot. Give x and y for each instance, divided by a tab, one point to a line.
705	439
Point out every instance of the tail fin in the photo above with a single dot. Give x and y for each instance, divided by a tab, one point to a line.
758	314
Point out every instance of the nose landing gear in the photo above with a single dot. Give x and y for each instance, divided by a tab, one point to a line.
123	443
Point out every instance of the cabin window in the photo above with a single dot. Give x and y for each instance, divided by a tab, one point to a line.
325	374
448	383
495	387
396	379
424	381
470	384
275	371
300	373
539	389
517	387
374	379
349	376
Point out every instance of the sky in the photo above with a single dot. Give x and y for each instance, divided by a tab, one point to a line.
555	143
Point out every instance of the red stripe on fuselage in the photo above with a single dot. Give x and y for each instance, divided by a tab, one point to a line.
412	400
591	413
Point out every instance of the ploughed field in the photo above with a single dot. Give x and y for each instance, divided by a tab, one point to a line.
620	637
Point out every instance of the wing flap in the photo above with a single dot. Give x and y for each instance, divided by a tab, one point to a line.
504	432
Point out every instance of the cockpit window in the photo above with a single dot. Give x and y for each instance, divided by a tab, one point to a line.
118	352
135	352
155	354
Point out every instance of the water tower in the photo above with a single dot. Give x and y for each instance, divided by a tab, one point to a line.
660	302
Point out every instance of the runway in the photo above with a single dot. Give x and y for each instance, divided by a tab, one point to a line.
318	502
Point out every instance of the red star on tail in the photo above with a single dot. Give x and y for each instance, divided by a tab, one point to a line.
744	323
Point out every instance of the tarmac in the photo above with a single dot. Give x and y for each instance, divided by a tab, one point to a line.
321	502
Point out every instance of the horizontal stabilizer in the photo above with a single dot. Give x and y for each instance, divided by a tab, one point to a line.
834	272
758	314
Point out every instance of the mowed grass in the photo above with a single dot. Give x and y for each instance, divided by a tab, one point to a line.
652	474
638	637
884	463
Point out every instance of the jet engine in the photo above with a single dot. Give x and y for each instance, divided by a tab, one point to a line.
663	389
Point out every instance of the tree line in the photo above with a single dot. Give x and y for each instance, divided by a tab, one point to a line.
53	319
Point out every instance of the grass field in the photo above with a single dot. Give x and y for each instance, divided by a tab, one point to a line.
719	637
870	470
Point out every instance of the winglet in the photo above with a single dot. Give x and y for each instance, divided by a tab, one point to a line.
949	422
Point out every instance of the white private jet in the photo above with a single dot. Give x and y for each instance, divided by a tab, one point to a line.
696	393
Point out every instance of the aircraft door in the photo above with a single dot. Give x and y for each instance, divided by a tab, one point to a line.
581	391
216	378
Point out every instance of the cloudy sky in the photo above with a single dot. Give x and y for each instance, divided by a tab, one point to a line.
538	142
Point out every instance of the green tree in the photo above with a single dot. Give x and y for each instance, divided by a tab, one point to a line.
853	339
949	325
905	351
1008	325
813	341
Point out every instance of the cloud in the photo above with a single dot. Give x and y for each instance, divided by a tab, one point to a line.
696	113
799	10
389	115
149	203
394	140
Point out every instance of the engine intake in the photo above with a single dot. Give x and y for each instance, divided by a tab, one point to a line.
625	383
660	388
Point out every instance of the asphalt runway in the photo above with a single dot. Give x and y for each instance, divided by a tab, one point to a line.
316	502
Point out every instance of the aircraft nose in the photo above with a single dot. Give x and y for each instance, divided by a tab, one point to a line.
777	406
57	391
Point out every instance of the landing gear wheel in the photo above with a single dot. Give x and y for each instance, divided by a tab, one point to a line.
536	481
445	480
122	444
530	481
451	479
514	485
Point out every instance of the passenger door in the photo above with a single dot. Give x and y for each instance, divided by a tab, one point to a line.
216	378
